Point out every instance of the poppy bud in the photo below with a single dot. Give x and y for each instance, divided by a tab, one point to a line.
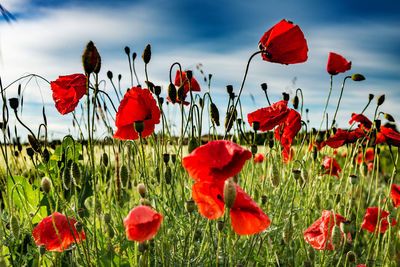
172	93
229	192
189	75
378	125
285	96
127	50
168	175
336	237
104	159
134	56
304	175
142	248
78	226
357	77
110	231
107	218
14	226
109	74
389	117
142	190
161	100
190	205
380	100
296	102
229	89
230	119
264	199
119	77
46	185
181	93
124	174
91	59
353	179
13	103
45	156
147	54
166	158
214	113
201	102
76	173
256	125
145	202
173	158
220	225
67	178
139	126
287	232
30	152
34	143
150	86
345	226
274	176
296	174
370	97
351	256
157	90
271	143
264	87
192	145
42	249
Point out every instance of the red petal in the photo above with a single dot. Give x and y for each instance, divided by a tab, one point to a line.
209	199
142	223
337	64
269	117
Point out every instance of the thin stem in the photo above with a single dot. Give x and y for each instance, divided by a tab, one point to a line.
340	98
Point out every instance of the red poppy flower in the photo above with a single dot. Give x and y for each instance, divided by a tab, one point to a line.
361	265
389	136
194	85
269	117
67	90
288	129
138	105
364	121
259	158
216	160
331	166
396	195
246	217
317	234
343	137
337	64
370	166
142	223
369	156
287	154
370	222
285	44
45	234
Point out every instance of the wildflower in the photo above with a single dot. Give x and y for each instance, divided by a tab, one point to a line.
259	158
363	120
269	117
343	137
288	129
67	90
284	43
142	223
317	234
370	166
389	136
137	105
216	160
331	166
194	85
57	240
369	156
337	64
370	222
396	195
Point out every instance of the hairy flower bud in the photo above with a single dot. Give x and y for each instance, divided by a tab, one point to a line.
91	59
147	54
190	205
296	174
214	114
14	226
45	156
109	74
181	93
353	179
46	185
336	237
274	176
127	50
370	97
345	226
351	256
287	232
142	190
34	143
104	159
229	192
357	77
230	119
172	93
124	174
78	226
76	173
380	100
295	102
66	177
220	225
389	117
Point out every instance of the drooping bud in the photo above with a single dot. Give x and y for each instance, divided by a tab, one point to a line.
147	54
139	126
357	77
201	102
370	97
142	190
46	185
67	178
45	156
78	226
13	103
76	173
14	226
105	159
192	145
181	93
172	93
253	149
91	59
274	176
214	113
389	117
190	205
256	125
351	256
287	232
380	100
296	174
124	174
229	192
336	237
34	143
230	119
296	102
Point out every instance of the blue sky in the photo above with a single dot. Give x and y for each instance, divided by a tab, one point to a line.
49	38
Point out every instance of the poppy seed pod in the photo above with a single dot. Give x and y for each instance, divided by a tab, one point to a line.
173	158
104	159
46	185
166	158
34	143
189	75
351	256
67	178
285	96
192	145
91	59
139	126
172	93
296	102
336	237
274	176
168	175
190	205
30	152
229	192
181	93
229	89
14	226
124	174
370	97
287	232
13	103
220	225
357	77
389	117
345	226
296	174
214	113
161	100
76	173
45	156
147	54
142	190
127	50
256	125
109	74
157	90
264	87
380	100
378	125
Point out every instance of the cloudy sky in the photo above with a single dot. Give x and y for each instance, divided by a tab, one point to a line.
49	37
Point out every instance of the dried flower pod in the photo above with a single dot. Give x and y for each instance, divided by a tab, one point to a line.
147	54
214	114
229	192
45	185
